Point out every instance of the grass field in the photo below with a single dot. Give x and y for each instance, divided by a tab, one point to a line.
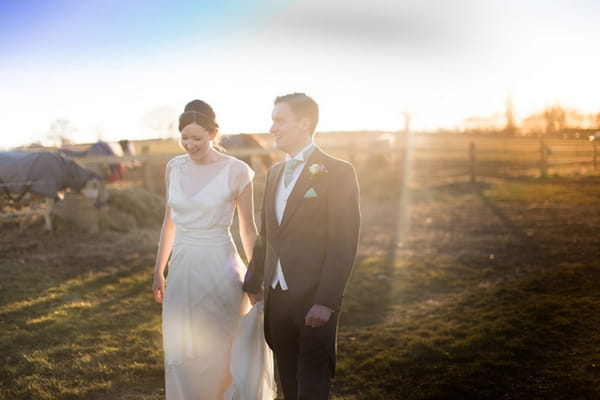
492	295
490	291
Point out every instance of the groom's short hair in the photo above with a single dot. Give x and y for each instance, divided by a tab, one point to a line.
302	106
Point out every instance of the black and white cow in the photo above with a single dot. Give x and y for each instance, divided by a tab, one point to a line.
42	176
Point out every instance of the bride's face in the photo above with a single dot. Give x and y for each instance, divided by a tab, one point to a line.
197	141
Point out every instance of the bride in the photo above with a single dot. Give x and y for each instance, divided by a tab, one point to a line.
213	346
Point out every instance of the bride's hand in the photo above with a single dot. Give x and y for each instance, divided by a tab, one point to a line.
159	288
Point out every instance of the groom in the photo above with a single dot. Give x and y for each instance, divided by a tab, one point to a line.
305	252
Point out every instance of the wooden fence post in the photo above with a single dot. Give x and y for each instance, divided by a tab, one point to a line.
472	161
543	159
399	147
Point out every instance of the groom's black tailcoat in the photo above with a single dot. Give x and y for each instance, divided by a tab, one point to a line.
316	242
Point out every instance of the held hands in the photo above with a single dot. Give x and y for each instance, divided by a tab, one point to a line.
317	316
159	288
255	297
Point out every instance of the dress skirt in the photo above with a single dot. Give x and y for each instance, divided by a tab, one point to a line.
202	310
202	307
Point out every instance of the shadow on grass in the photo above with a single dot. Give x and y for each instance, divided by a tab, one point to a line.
519	233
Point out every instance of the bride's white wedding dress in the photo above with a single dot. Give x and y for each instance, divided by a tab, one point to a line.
213	347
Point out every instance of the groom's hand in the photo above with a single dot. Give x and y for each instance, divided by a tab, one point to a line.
255	297
317	316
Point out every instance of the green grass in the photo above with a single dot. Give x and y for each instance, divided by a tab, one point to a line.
552	190
438	319
528	338
81	326
453	322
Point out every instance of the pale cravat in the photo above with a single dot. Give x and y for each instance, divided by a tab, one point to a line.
288	172
291	165
280	203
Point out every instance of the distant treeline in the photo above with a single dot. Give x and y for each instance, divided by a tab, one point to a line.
554	121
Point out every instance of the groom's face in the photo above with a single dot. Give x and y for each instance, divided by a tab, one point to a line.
290	132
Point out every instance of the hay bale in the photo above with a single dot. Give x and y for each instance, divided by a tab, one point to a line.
76	212
146	208
120	221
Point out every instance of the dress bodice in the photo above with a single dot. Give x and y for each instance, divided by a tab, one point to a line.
202	198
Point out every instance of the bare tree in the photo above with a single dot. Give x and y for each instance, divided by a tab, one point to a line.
511	127
162	120
60	132
597	121
556	120
576	119
534	125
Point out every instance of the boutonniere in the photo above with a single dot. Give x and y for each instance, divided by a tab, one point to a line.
316	170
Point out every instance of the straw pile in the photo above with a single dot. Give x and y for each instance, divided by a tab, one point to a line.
134	207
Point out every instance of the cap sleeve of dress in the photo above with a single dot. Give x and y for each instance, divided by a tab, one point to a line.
241	175
177	160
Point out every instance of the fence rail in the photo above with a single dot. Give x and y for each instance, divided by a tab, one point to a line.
429	154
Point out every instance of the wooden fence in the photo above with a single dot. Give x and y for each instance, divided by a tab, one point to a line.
449	155
421	159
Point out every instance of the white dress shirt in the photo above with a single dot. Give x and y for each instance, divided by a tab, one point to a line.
281	198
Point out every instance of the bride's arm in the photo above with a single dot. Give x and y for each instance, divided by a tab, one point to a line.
247	225
165	245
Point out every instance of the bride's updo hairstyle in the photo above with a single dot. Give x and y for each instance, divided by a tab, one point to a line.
199	112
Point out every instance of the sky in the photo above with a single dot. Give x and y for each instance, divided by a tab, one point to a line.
118	69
